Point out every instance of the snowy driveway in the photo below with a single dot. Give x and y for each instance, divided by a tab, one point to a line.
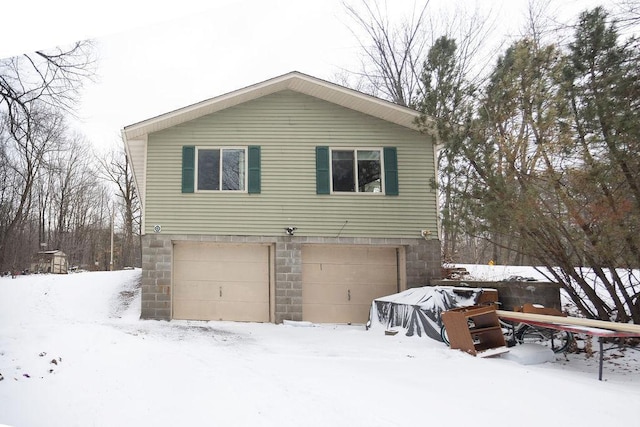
113	369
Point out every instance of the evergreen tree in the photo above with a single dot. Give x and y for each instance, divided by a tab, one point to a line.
446	108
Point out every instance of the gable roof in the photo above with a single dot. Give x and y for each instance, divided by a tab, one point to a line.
295	81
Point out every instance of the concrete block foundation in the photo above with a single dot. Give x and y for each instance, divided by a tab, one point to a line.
420	264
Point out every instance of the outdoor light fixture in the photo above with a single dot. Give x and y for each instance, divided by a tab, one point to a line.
290	230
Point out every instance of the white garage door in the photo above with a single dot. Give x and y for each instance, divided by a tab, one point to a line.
340	282
221	282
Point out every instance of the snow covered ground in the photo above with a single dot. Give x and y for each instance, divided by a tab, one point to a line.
73	352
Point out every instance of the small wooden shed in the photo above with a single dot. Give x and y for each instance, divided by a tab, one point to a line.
50	262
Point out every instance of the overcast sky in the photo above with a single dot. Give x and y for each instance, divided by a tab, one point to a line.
157	56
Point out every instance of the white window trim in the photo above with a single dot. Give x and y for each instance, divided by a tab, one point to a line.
355	172
222	148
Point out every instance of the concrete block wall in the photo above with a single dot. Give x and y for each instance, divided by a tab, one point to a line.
288	286
516	293
157	254
423	264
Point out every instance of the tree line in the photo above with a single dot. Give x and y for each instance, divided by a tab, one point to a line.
55	193
539	155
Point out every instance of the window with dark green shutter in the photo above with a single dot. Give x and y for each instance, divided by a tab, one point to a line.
253	186
356	170
220	169
391	171
323	180
341	170
188	168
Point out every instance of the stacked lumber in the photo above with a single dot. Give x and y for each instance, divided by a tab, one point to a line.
589	323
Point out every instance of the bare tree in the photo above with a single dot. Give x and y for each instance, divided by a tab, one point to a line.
29	141
49	77
629	15
68	193
36	91
393	54
116	169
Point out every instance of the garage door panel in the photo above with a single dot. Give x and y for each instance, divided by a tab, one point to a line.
195	289
221	282
221	272
186	252
359	312
319	313
365	274
327	293
210	252
363	294
247	312
340	294
239	292
349	255
248	272
248	253
370	256
218	310
245	292
329	273
340	282
347	313
191	310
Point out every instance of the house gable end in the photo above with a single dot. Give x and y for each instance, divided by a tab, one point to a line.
295	81
288	127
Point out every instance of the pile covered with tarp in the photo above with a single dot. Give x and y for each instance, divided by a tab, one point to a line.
418	310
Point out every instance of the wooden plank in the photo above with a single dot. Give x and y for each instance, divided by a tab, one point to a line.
493	351
596	332
523	317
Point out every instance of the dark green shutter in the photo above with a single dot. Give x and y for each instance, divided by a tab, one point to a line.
390	171
322	170
188	168
254	169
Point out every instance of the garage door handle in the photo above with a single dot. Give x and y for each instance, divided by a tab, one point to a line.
220	291
348	294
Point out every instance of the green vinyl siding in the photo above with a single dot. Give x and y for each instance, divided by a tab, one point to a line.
287	127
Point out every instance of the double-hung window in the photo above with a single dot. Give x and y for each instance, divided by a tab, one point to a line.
356	171
218	169
221	169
